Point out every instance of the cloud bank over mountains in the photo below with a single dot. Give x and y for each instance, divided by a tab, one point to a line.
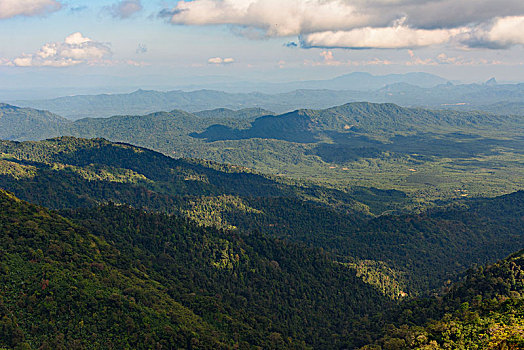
360	24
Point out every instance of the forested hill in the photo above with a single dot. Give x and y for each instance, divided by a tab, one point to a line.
336	123
32	124
409	253
379	145
360	117
26	123
114	277
483	311
446	240
127	166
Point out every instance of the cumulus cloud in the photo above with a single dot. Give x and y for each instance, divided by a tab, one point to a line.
220	60
501	33
76	49
275	17
13	8
125	8
381	38
388	24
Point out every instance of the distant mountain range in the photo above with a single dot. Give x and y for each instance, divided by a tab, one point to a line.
342	124
357	81
45	85
489	97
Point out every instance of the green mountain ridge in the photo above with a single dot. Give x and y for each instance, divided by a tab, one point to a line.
358	144
24	123
363	117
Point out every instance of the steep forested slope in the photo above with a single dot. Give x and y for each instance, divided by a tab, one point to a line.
483	311
115	277
64	287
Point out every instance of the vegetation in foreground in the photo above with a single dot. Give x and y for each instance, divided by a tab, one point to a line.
115	277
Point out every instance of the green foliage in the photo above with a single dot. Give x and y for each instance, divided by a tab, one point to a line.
62	288
378	274
421	152
483	311
426	249
115	277
26	123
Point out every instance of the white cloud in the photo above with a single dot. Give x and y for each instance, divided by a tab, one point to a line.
76	49
461	61
500	33
125	8
382	38
220	60
275	17
13	8
391	24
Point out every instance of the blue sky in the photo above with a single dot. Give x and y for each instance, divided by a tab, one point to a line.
170	43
